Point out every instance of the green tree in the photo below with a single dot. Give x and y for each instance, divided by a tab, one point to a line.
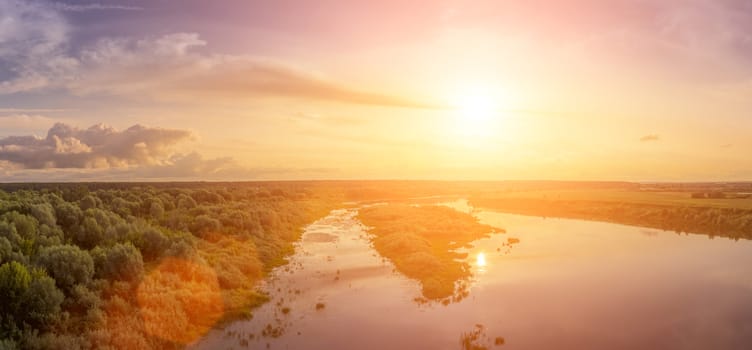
152	243
28	297
14	282
5	249
89	234
204	224
8	344
67	264
156	210
44	213
89	202
119	262
42	300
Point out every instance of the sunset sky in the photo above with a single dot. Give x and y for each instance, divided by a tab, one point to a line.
637	90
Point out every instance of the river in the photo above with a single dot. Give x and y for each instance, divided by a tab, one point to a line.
546	283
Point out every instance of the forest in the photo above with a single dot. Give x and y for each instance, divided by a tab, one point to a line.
140	266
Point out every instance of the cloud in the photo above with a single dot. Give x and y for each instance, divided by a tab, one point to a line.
35	50
171	66
180	167
650	138
138	153
99	146
32	46
93	7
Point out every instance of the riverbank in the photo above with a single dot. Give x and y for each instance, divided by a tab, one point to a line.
670	211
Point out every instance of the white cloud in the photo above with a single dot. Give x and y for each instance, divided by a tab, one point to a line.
34	48
103	153
99	146
171	67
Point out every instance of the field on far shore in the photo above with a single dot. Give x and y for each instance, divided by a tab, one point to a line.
734	200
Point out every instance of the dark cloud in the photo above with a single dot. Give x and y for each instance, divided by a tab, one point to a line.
99	146
650	138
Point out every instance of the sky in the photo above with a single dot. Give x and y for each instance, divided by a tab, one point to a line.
155	90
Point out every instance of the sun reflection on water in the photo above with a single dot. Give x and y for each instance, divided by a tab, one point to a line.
480	261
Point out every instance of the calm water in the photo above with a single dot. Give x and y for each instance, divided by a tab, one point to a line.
567	284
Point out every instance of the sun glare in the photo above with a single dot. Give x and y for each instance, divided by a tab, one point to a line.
475	106
476	112
480	259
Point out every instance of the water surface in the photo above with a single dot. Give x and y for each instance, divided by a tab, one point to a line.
546	283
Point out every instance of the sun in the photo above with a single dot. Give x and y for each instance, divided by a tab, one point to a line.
475	106
475	112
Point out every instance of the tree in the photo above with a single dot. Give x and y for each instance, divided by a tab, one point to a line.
5	249
14	282
89	234
156	210
8	344
44	213
89	202
67	264
42	300
68	215
152	243
119	262
204	224
185	202
28	297
26	226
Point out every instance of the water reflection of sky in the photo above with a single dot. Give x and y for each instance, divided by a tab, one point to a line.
567	284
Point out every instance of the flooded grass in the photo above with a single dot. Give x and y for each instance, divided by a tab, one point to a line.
477	339
421	242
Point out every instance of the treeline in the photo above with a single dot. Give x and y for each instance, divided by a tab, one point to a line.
734	223
136	267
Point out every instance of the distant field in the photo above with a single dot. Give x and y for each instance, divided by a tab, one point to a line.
672	211
627	196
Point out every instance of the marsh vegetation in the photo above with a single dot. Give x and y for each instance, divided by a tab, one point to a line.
422	242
